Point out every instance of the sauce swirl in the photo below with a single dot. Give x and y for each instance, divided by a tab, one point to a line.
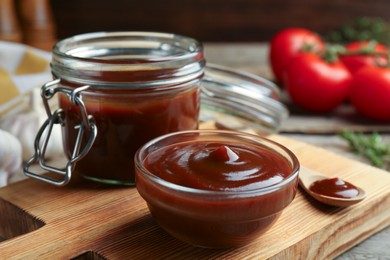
218	166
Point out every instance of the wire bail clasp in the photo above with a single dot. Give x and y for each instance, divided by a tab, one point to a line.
57	117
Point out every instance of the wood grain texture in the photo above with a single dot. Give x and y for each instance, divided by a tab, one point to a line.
114	222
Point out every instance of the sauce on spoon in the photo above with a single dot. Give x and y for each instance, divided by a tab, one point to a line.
331	191
335	187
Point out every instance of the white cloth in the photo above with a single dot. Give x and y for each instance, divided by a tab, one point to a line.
22	68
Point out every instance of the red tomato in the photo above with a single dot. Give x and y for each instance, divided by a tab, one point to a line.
286	44
316	85
370	92
363	58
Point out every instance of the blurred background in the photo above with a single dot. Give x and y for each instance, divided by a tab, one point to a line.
211	20
34	21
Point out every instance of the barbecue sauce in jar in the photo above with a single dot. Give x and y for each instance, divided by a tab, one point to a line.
140	85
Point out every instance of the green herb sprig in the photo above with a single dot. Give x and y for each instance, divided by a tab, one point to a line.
362	29
372	147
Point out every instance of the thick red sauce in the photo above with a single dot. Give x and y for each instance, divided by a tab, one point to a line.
215	166
125	120
335	187
216	221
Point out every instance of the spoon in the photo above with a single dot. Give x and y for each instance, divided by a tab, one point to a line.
307	177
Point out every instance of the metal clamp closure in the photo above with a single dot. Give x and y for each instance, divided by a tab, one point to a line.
57	117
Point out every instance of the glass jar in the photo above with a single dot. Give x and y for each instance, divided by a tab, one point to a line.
118	90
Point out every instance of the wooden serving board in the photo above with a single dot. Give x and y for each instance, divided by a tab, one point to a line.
92	221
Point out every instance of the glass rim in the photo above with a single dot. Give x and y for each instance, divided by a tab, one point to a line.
127	58
242	194
63	47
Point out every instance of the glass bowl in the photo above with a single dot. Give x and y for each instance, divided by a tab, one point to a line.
219	211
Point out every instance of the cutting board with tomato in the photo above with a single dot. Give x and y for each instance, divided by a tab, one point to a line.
84	219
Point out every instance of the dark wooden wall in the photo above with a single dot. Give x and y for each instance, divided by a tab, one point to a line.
211	20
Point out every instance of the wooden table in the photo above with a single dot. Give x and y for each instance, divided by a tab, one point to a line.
318	130
86	220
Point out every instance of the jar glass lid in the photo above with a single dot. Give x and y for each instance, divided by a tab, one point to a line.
240	101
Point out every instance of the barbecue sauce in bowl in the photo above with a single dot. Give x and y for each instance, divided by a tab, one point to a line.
216	189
